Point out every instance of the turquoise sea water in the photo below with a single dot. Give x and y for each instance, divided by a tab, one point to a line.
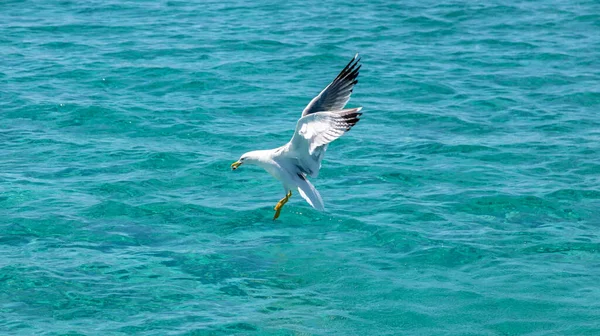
466	201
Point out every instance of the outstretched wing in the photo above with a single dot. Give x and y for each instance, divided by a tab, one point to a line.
321	128
314	132
337	93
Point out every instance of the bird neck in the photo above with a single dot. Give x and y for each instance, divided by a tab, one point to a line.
260	157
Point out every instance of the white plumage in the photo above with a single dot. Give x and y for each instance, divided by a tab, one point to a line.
323	120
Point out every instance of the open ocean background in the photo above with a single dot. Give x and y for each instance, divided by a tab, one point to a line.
466	201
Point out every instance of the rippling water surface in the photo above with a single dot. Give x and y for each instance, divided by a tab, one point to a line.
465	202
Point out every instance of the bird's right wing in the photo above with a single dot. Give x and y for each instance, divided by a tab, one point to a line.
320	128
337	93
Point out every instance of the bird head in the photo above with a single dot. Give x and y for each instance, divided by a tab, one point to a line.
249	158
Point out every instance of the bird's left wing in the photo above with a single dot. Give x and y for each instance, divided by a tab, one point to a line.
337	93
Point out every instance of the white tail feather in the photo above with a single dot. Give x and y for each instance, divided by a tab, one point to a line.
310	194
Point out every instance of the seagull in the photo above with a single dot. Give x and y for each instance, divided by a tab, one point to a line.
323	120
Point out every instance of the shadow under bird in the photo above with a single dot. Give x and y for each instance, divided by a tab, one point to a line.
323	120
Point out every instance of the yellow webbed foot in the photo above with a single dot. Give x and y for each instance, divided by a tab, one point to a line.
280	204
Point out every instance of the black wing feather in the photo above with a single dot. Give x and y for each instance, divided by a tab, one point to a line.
337	93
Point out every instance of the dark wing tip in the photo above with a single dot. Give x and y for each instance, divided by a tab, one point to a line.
352	115
337	93
347	77
351	119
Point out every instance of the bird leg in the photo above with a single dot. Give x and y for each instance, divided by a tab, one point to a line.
281	203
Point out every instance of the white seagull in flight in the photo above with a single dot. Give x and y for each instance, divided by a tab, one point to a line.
322	121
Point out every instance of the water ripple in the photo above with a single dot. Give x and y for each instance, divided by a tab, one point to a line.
464	202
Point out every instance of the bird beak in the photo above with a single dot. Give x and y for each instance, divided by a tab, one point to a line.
235	165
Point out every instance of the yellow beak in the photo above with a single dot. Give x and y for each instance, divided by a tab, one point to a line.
235	165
